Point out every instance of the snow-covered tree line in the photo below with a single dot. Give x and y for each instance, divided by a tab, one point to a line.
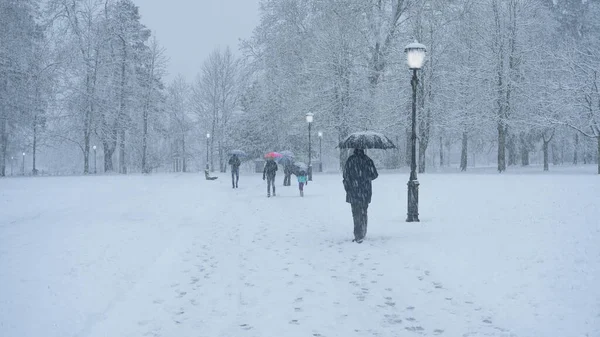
508	77
78	75
504	79
82	85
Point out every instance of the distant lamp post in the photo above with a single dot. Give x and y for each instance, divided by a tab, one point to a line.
320	151
309	120
207	139
12	159
23	165
415	56
95	171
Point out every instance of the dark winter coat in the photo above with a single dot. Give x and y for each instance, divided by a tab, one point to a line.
235	163
359	171
270	169
288	169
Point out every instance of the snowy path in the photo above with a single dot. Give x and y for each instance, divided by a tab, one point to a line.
180	256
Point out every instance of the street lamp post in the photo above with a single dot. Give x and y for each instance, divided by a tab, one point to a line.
320	151
12	159
95	171
207	139
415	55
309	120
23	165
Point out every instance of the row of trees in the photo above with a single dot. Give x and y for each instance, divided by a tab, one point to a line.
86	75
514	76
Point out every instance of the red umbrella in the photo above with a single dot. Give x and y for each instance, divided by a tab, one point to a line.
273	155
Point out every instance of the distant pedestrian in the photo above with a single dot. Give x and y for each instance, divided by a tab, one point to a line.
269	173
235	163
359	171
301	181
287	173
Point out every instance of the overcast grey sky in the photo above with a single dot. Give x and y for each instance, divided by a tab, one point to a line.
191	29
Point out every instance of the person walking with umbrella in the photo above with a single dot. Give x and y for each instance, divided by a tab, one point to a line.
359	171
287	173
235	163
300	169
287	161
270	171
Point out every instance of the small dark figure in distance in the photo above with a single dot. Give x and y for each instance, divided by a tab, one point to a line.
235	163
269	173
207	175
359	171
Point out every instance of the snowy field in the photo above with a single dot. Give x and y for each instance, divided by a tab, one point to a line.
176	255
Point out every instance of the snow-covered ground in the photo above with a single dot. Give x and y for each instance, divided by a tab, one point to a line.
176	255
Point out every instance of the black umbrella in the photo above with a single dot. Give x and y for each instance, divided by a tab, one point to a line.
366	140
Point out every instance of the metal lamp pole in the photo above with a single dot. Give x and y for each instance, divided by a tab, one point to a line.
309	120
320	152
12	159
415	55
23	165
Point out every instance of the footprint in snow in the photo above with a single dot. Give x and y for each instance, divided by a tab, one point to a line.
245	326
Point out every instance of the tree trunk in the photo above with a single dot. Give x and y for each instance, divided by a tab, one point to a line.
34	148
145	141
183	156
463	154
3	145
512	150
576	148
122	166
86	147
524	150
554	154
441	152
222	166
212	145
598	159
524	155
501	147
562	152
545	148
108	153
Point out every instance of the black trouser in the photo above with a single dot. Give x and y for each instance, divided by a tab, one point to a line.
270	182
287	180
235	176
359	214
